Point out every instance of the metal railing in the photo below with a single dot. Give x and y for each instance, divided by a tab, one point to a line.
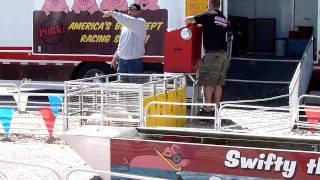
113	174
169	119
53	172
300	81
237	118
119	102
308	113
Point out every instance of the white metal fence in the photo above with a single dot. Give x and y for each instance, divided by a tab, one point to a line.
300	81
236	118
308	113
117	102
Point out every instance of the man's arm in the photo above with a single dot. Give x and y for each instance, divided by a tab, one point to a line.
107	14
134	24
189	20
115	60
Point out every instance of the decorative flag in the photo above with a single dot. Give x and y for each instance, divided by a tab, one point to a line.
6	114
49	118
22	102
55	104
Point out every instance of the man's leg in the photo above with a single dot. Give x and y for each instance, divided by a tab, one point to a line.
122	66
135	66
207	93
217	94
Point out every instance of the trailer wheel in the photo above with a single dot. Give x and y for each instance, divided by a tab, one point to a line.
87	70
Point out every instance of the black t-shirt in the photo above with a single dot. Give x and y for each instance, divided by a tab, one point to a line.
215	27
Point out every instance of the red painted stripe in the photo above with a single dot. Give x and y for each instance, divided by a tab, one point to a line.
28	56
14	48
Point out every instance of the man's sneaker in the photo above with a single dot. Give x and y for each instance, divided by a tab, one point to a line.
203	112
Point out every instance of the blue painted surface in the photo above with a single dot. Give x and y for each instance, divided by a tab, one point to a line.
185	175
296	47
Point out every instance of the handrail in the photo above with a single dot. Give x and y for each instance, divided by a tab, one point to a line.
301	76
265	60
306	96
34	165
123	175
308	46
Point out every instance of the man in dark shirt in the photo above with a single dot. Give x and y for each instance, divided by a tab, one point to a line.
213	69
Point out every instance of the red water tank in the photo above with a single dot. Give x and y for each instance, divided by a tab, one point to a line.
182	51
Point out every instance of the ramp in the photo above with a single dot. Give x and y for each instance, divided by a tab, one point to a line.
252	78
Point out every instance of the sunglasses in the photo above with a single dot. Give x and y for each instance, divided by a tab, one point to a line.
133	9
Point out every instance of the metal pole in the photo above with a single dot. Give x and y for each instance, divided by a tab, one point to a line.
225	8
293	9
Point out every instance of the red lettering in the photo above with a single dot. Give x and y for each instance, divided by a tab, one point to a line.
51	31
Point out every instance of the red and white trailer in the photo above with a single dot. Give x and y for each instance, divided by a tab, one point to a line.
43	41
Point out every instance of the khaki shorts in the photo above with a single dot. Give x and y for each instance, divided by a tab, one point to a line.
213	69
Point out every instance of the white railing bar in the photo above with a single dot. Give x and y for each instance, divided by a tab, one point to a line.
34	165
255	81
308	46
295	77
255	100
265	60
306	96
123	175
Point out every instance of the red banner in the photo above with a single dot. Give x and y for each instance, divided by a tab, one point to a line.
168	160
85	33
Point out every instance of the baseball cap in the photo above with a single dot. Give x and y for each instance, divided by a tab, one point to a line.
135	6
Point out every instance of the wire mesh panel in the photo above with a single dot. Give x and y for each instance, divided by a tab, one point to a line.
254	119
234	118
117	99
